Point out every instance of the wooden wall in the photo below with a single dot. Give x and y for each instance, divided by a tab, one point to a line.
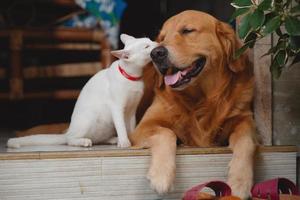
286	107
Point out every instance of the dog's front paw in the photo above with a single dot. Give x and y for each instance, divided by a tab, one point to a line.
123	143
161	179
13	143
240	180
240	188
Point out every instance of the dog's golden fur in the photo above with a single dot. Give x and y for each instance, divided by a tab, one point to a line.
212	110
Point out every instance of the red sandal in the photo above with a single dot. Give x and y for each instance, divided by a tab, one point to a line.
275	189
221	189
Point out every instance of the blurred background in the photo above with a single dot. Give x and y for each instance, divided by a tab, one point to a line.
50	48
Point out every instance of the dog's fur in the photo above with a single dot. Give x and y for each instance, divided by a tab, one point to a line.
107	103
212	109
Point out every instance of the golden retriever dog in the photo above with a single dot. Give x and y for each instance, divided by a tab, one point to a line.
202	98
198	95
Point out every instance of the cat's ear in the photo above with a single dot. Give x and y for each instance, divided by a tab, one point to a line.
126	38
121	54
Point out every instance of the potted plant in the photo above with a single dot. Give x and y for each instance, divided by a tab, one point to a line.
264	17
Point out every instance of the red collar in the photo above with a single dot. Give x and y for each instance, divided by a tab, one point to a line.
128	76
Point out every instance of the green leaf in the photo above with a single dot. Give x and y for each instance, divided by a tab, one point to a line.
265	5
295	9
275	70
278	5
240	51
295	42
241	3
278	31
296	59
238	12
271	25
270	15
244	27
287	3
251	39
292	25
257	19
271	51
281	44
281	58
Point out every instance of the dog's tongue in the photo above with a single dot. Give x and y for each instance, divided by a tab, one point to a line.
174	78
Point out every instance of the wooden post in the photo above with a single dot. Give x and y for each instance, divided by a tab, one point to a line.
105	56
16	75
263	88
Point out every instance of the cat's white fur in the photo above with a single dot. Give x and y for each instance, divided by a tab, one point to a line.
107	103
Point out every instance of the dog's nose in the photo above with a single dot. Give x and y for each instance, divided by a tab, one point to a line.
158	54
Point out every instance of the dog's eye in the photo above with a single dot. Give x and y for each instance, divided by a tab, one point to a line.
185	31
147	46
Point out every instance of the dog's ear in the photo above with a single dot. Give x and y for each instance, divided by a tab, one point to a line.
230	44
121	54
126	38
160	37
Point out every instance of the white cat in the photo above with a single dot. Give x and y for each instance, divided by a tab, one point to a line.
107	103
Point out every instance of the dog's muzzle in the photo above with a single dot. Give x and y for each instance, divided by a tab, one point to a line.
159	56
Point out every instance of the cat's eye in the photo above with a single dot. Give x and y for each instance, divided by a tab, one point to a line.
147	46
186	31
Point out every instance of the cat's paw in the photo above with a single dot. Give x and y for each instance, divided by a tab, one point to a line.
80	142
13	143
86	142
113	140
124	143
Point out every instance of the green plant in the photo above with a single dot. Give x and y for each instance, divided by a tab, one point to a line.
266	17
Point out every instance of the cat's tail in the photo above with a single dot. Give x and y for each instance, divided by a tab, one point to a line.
36	140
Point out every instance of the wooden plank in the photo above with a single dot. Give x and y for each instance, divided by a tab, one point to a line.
20	156
123	177
56	94
263	90
61	34
2	73
68	3
62	70
66	34
16	79
65	46
4	95
64	151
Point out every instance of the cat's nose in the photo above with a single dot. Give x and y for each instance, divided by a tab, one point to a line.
159	54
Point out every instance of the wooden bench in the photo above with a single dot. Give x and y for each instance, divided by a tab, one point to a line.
67	39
